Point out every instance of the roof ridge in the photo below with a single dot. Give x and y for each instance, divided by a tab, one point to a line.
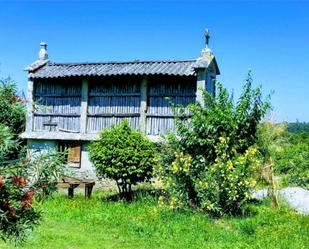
175	67
120	62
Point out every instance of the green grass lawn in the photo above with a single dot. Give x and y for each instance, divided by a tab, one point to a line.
97	223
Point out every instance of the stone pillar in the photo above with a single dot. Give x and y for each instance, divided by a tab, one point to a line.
210	84
30	107
201	85
143	105
84	106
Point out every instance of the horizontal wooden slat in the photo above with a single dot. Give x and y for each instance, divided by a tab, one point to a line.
172	95
49	124
114	115
114	94
159	115
57	114
57	95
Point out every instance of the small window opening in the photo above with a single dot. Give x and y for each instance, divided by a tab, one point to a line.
73	149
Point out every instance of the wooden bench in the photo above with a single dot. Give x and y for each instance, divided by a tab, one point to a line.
71	183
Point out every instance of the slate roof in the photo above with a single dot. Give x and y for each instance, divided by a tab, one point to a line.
56	70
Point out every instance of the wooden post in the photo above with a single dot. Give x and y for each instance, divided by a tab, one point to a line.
30	107
143	105
88	190
84	106
71	191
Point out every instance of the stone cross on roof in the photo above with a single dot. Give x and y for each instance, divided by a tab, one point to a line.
207	37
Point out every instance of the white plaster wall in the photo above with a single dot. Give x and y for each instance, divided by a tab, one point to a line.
36	147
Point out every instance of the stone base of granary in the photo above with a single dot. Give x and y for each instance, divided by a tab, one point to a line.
84	169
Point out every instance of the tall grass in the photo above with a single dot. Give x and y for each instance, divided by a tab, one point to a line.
103	223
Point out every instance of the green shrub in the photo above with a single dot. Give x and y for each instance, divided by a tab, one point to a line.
12	108
293	160
223	187
124	155
213	166
21	181
12	114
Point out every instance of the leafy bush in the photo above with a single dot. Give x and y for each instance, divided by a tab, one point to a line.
269	142
6	142
12	114
223	187
20	184
213	167
293	160
123	155
286	152
12	108
21	181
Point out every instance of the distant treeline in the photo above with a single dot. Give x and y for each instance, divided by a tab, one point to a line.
298	127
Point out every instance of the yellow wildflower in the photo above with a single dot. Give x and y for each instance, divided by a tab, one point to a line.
252	182
230	164
175	167
172	203
222	139
161	201
234	150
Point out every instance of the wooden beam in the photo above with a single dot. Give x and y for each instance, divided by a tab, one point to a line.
57	95
84	106
143	105
163	115
114	94
56	114
114	115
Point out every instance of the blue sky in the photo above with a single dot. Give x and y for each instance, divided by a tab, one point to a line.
269	37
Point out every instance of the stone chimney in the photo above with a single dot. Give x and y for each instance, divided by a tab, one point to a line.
43	55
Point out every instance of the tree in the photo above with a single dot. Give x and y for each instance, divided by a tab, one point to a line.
124	155
12	108
298	127
12	113
21	180
214	163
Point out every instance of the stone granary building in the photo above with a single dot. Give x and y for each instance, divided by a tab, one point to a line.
70	103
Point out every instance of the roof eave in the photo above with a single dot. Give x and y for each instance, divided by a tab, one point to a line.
36	65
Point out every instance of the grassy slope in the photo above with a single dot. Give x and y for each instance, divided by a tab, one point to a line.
78	223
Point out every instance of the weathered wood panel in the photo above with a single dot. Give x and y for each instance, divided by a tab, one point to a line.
57	105
112	99
162	91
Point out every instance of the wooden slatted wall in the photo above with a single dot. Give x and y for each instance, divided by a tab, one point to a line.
112	99
57	105
178	90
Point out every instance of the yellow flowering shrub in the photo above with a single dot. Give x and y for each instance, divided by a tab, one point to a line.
223	187
214	164
230	179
